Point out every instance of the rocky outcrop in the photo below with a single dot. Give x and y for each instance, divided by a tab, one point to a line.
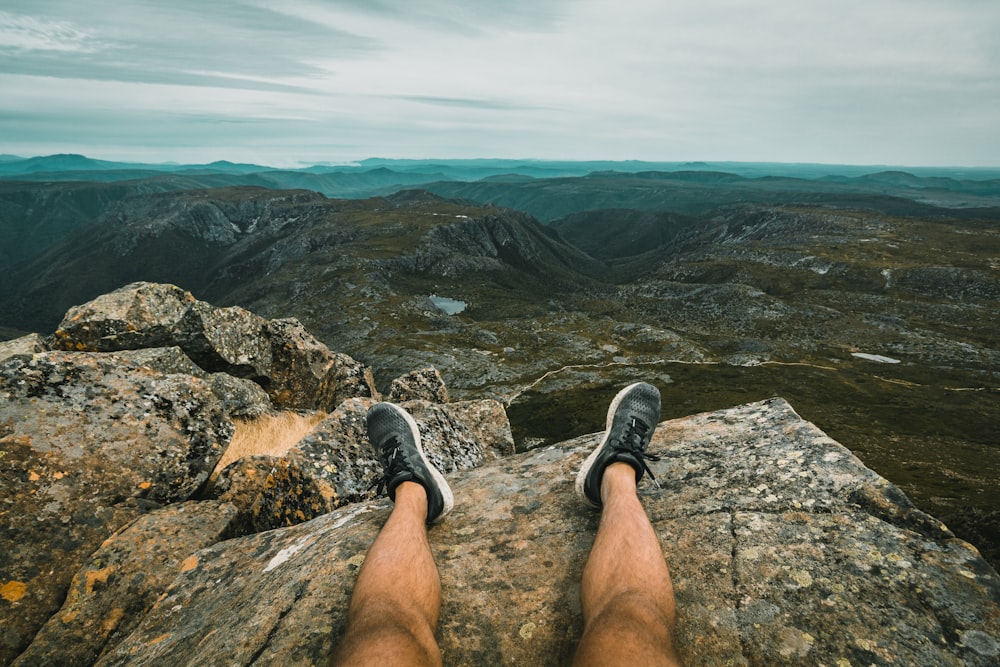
783	547
497	240
106	448
123	578
295	369
24	345
213	220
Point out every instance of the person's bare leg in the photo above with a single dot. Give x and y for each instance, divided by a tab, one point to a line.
397	598
627	596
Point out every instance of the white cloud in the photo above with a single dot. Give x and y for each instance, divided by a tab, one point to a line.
888	81
27	33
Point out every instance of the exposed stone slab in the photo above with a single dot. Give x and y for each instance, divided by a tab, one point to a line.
773	561
344	378
163	359
89	442
136	316
121	581
270	493
123	578
240	398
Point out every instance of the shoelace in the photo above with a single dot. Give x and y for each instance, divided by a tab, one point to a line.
631	443
396	464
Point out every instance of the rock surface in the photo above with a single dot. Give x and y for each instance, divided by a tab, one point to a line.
123	578
783	547
424	384
295	369
29	344
455	436
88	442
102	453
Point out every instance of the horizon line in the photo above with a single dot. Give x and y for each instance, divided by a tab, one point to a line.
10	157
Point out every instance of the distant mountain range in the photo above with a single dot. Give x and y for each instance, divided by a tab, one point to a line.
475	169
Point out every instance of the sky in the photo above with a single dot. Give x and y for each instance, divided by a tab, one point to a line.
871	82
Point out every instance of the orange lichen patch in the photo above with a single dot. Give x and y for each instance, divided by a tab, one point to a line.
13	591
33	476
69	616
328	492
81	347
111	622
145	485
159	639
93	577
190	563
16	440
58	475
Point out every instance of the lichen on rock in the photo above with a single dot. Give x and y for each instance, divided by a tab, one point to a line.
784	548
295	369
90	442
787	570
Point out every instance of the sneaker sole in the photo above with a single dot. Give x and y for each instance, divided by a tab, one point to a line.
581	477
442	484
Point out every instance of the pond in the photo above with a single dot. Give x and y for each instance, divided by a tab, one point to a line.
448	306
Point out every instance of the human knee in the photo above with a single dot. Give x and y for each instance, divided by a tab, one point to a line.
390	631
635	612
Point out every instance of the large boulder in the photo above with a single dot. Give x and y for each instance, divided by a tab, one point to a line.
240	397
88	442
783	547
423	384
340	464
295	369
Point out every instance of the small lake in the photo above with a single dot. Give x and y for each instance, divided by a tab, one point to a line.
448	306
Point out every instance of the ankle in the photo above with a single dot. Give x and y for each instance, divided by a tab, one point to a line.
618	478
412	496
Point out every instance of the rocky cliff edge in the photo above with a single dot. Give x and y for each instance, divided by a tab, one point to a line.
784	548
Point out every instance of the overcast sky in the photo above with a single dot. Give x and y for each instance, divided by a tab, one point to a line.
889	82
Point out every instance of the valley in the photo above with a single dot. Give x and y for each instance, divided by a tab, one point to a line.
720	288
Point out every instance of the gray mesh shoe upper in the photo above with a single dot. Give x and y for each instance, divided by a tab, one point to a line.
396	439
632	418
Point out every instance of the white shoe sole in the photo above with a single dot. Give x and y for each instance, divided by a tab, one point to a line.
442	484
581	477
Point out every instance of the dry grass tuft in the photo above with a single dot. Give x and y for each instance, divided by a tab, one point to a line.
270	435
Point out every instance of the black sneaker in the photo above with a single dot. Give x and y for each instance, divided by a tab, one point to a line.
632	418
396	439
